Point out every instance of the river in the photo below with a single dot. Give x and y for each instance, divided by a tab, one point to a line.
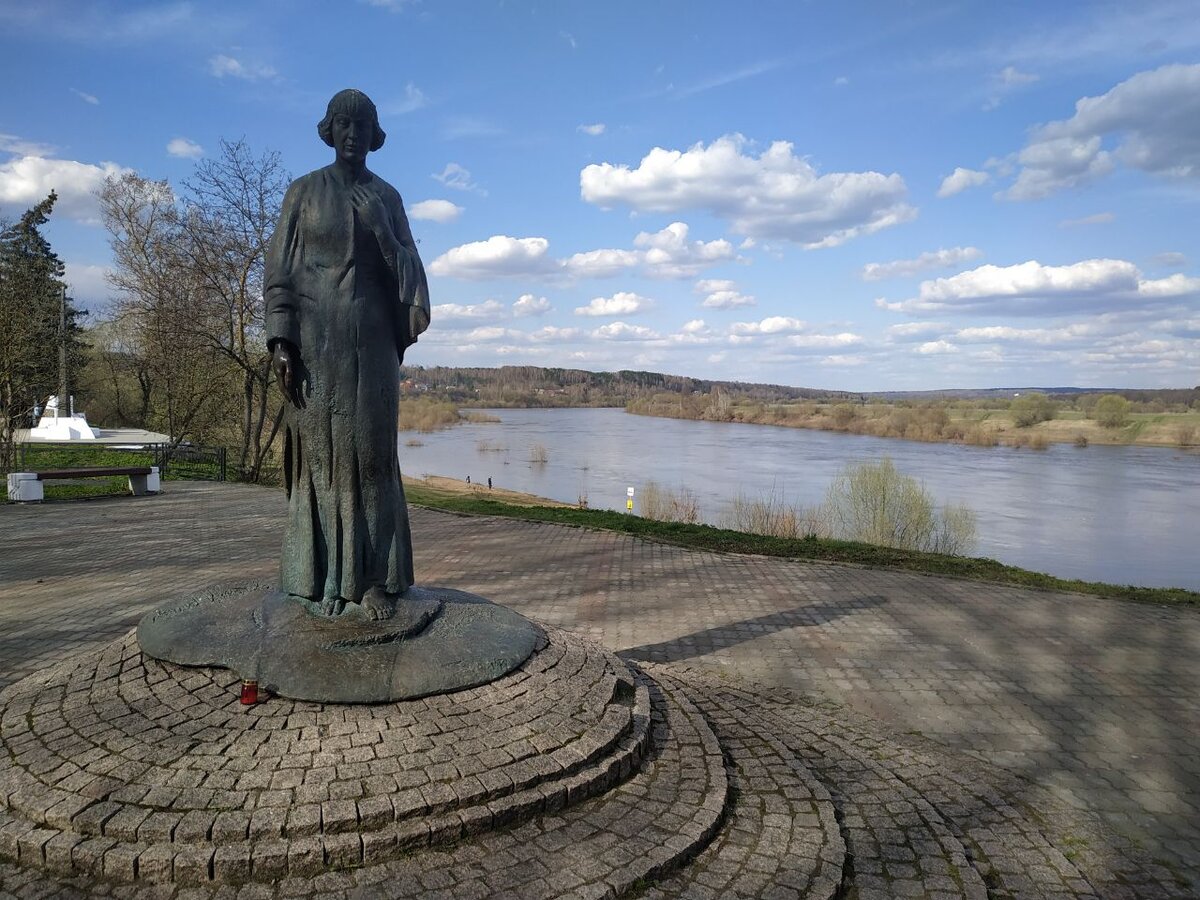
1125	515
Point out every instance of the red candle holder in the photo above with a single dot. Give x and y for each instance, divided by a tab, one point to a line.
249	692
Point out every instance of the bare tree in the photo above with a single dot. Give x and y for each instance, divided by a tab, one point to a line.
160	302
233	202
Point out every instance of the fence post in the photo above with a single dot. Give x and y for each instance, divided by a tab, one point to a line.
221	451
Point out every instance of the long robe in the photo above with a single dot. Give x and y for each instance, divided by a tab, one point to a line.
350	313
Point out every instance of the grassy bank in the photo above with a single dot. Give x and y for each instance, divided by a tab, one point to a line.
451	498
980	423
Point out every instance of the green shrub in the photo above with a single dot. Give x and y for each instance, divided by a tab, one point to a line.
1031	408
876	504
1111	411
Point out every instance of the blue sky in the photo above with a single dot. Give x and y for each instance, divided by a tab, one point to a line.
867	196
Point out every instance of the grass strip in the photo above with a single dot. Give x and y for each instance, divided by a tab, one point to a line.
723	540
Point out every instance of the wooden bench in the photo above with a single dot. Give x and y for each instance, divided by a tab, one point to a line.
27	486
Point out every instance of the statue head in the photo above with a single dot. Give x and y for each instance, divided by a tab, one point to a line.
351	125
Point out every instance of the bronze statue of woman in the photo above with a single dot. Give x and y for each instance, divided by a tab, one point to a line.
346	295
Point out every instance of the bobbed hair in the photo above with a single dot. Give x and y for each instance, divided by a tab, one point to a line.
350	102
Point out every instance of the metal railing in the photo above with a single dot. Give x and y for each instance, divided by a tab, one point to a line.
183	461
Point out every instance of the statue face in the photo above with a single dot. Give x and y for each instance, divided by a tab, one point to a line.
352	135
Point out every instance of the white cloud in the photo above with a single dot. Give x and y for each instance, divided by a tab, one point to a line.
86	97
824	341
961	179
594	130
622	303
1177	285
222	65
769	325
1006	80
843	359
621	331
841	81
1152	117
184	148
1031	288
991	334
913	331
774	195
553	333
10	143
27	180
414	98
1170	260
489	333
934	259
601	263
727	300
529	305
499	256
695	326
1010	75
435	211
669	254
937	348
1101	218
452	312
1055	164
456	177
662	254
722	293
88	284
708	285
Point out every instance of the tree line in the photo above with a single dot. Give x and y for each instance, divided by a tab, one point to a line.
533	386
181	350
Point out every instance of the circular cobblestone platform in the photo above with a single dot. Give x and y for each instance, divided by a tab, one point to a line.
577	775
123	766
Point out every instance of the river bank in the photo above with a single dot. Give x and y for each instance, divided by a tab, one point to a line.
432	490
944	423
456	496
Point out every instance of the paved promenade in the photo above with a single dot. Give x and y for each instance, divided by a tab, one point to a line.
1097	700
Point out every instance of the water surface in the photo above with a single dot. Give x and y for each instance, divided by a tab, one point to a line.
1126	515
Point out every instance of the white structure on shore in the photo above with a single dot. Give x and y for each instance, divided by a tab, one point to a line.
61	425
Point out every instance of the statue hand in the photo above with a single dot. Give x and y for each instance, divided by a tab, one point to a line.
373	213
283	363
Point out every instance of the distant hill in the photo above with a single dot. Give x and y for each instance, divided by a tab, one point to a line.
538	386
1166	395
525	386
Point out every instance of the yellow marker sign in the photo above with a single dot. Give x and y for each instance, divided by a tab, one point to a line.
629	504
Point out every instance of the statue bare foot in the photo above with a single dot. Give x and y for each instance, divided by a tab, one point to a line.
332	606
378	605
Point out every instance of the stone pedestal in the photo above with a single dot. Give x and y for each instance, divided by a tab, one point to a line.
438	640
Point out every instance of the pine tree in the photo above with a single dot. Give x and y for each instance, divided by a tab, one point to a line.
31	297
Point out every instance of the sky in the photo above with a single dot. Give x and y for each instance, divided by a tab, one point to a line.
855	195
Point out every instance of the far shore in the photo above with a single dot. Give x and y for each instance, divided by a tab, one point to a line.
992	428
